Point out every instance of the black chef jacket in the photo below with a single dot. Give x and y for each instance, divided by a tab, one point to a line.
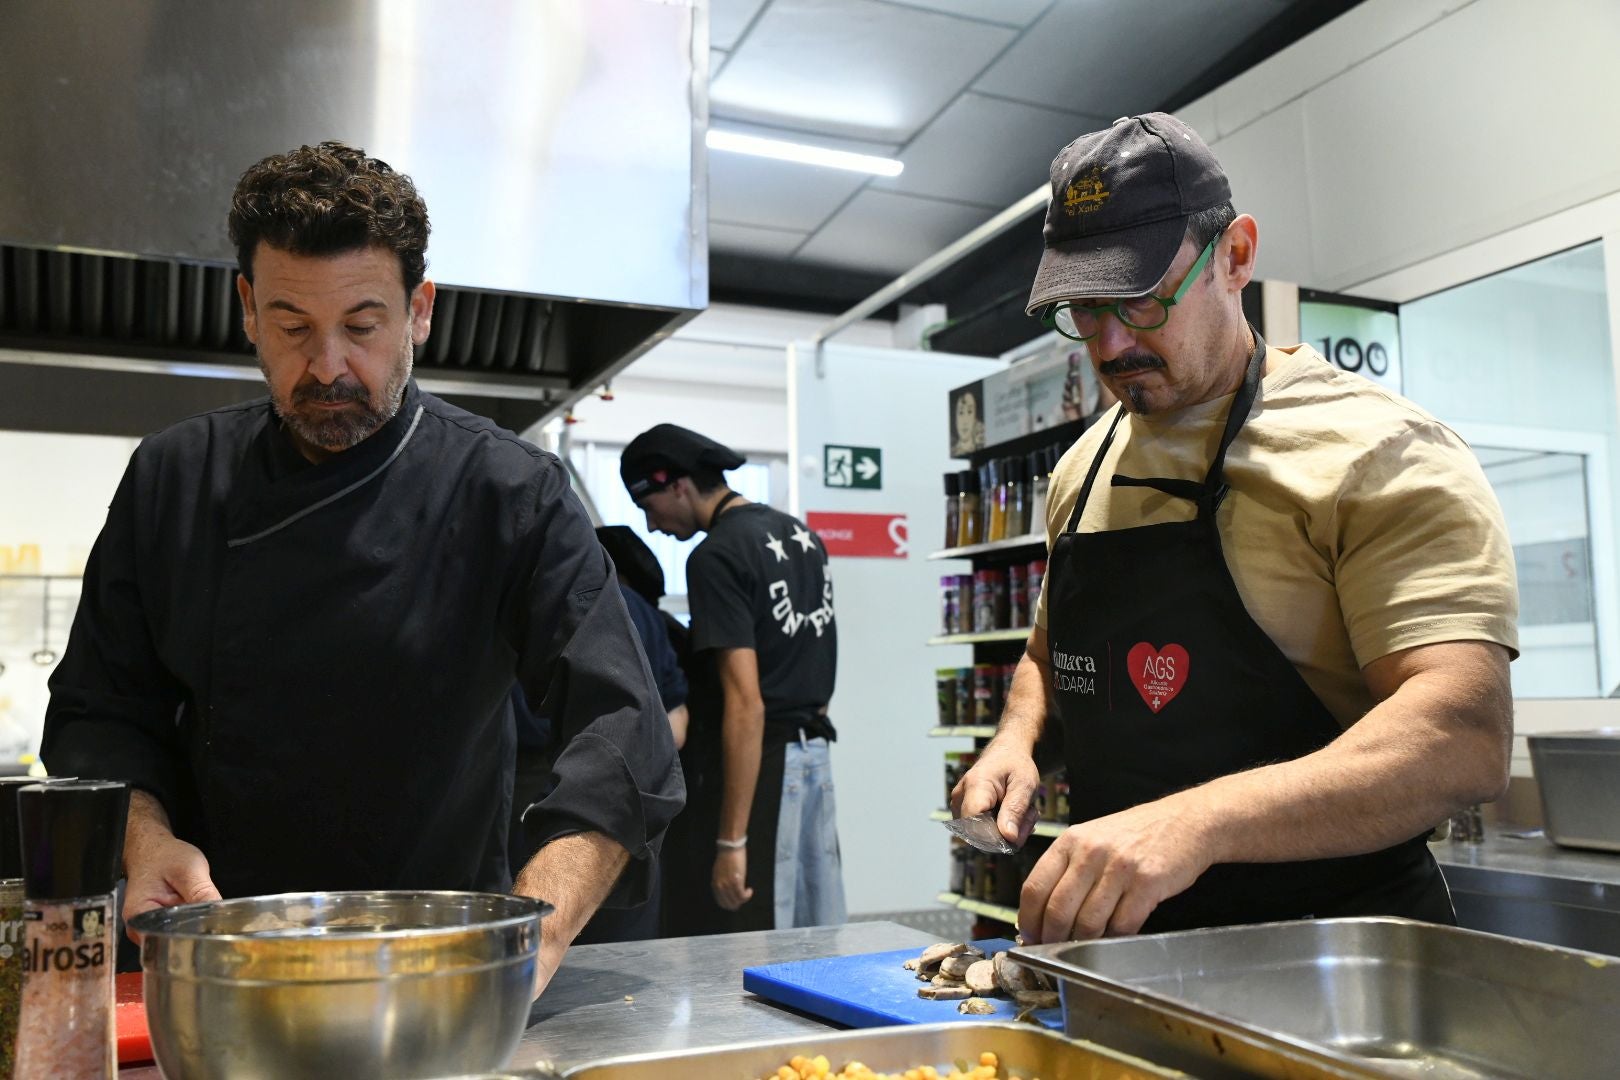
309	665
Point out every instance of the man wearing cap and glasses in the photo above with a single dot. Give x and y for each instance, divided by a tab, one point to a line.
1279	605
760	829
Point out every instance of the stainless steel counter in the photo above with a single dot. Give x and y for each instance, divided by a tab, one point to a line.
675	993
685	991
1529	887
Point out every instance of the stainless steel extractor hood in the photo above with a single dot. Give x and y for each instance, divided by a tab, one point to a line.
558	144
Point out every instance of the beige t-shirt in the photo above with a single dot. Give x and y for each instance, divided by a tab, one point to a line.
1356	525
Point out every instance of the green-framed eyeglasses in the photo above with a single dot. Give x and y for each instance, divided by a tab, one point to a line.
1079	321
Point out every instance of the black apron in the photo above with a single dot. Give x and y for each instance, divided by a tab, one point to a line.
1164	682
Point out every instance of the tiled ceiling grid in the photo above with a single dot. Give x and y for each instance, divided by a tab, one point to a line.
974	96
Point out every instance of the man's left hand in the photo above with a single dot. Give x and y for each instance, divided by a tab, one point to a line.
1107	875
730	881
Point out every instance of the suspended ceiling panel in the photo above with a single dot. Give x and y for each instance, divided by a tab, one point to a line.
1017	13
767	193
973	96
771	243
985	150
1078	55
879	230
860	69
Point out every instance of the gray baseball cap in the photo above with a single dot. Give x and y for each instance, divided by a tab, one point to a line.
1121	198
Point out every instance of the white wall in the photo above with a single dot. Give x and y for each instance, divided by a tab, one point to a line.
889	773
1413	145
1408	128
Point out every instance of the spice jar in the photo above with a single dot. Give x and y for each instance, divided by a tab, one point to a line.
72	841
989	874
984	693
994	499
1037	578
11	917
968	527
959	854
1013	483
965	600
964	695
947	604
1017	596
970	874
1039	479
945	695
953	508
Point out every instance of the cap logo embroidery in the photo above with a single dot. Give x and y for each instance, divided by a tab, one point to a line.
1086	194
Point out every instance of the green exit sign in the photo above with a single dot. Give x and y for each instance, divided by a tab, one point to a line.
852	467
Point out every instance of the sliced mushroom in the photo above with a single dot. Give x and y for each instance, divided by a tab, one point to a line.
943	979
913	964
1037	999
957	966
976	1006
981	977
1011	976
944	993
934	955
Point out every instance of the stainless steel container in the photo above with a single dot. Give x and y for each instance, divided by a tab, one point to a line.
1578	775
343	984
1344	997
1024	1050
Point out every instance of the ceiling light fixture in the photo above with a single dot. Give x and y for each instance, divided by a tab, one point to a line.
807	155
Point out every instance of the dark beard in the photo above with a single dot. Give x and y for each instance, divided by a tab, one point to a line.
338	431
1137	399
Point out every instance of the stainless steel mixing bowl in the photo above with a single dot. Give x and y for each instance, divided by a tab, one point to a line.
341	984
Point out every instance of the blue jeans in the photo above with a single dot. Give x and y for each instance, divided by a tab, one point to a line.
809	872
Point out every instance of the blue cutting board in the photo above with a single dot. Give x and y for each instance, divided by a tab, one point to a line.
872	990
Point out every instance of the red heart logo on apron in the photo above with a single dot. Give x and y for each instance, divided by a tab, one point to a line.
1159	674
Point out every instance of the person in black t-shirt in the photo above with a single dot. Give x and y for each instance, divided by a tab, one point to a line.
763	625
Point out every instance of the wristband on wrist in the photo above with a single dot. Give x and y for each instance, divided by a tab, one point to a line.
732	845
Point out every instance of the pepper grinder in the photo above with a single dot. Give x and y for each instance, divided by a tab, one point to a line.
11	916
72	837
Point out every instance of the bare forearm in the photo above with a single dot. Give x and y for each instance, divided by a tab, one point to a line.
1416	758
1023	718
574	874
742	739
147	822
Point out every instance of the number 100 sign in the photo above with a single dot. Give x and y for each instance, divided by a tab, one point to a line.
1361	340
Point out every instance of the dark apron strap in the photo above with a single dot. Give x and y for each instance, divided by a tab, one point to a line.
1212	491
1209	494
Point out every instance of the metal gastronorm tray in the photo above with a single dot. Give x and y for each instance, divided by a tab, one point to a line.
1024	1049
1345	997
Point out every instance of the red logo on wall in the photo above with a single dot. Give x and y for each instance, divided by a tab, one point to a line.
1158	674
861	536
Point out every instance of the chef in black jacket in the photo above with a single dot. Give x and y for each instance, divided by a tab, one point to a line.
301	621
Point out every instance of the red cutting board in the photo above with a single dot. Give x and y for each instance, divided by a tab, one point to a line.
134	1041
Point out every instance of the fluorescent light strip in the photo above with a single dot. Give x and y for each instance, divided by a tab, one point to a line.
807	155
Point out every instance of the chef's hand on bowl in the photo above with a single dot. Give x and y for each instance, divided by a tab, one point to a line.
162	873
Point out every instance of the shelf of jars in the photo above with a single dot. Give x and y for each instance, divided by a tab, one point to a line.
963	731
988	636
998	912
1051	829
1027	540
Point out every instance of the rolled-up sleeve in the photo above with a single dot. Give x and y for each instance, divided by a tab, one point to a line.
580	659
114	705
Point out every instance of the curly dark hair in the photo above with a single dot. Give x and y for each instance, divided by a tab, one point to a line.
321	200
